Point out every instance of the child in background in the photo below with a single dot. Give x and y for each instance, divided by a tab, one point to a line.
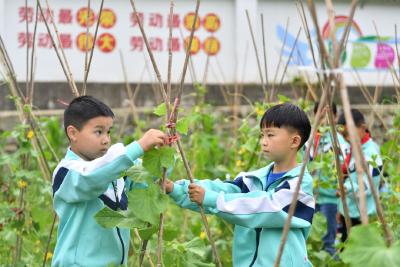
326	197
371	153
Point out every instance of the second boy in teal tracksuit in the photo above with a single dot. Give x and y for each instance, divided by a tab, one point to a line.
257	202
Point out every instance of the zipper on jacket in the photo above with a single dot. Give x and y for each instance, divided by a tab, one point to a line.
118	231
258	232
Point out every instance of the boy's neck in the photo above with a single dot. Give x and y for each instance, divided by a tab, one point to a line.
73	149
285	165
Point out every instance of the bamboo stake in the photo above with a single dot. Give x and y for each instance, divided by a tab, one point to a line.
397	48
177	99
136	232
337	151
280	61
59	43
92	48
63	64
87	44
31	82
257	56
370	100
155	67
27	49
290	58
49	240
264	50
303	18
322	49
128	90
193	75
164	174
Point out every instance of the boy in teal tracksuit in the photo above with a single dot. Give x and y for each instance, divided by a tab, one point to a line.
371	153
257	202
89	178
326	196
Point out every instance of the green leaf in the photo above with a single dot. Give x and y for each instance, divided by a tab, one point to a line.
146	233
284	99
147	204
182	125
160	110
109	218
155	159
139	174
366	248
170	233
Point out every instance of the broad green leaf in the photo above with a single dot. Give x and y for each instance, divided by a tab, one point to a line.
160	110
146	233
182	125
366	248
147	204
155	159
109	218
196	246
170	233
139	174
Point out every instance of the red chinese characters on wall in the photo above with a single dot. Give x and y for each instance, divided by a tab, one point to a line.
137	43
65	16
106	40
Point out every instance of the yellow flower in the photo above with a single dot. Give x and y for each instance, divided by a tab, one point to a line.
239	163
203	235
242	150
30	134
49	255
397	189
259	111
22	184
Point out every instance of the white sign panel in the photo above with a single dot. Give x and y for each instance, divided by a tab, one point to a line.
118	32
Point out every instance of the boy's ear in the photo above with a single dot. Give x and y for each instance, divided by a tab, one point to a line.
72	133
296	141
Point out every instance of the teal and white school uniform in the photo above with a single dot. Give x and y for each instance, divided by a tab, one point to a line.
81	189
258	210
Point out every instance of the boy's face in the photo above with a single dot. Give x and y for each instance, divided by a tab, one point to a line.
276	143
361	130
93	140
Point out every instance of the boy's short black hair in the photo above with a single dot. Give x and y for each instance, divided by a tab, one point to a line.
84	108
333	106
358	118
290	116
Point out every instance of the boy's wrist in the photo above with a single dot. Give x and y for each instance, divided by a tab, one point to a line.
210	198
177	191
134	150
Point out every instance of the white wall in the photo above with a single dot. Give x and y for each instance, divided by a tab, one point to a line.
234	62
